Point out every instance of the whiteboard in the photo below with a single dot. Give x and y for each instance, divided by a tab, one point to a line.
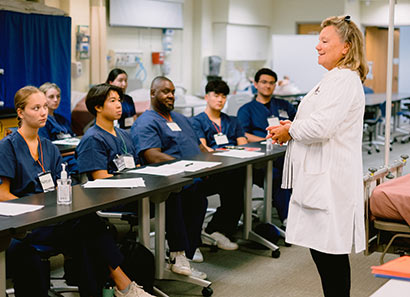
146	13
296	57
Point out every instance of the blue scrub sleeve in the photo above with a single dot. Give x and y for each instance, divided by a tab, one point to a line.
244	119
145	135
238	128
197	126
8	160
291	111
91	155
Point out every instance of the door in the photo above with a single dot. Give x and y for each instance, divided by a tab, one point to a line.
376	52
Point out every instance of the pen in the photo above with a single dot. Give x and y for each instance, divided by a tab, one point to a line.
189	164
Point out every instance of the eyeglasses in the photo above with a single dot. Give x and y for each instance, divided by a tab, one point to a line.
264	82
347	19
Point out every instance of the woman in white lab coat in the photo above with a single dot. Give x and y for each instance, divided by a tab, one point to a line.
323	161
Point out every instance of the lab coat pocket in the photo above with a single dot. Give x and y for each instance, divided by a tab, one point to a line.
317	158
313	192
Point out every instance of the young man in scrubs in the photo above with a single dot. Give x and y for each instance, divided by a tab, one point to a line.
263	111
105	149
216	129
161	135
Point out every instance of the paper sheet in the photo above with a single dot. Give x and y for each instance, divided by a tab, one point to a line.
175	168
239	154
116	183
67	141
14	209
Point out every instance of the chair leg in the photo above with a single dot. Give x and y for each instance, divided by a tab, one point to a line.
390	243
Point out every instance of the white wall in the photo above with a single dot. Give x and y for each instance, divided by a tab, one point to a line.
377	13
404	62
287	13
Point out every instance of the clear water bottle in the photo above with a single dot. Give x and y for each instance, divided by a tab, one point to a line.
269	145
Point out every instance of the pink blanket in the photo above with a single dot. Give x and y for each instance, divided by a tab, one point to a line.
391	200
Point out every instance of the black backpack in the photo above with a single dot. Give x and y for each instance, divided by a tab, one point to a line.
138	264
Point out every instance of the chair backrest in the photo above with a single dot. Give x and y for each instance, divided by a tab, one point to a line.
234	102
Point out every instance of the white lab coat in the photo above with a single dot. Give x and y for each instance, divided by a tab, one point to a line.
326	211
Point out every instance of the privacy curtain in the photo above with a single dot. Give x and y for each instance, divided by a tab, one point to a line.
35	49
98	42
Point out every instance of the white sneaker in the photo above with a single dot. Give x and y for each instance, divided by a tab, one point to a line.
179	263
223	242
134	291
198	274
198	257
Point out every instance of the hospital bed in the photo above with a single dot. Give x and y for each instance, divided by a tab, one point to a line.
382	233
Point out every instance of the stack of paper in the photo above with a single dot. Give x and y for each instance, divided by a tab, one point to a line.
398	269
175	168
116	183
239	154
13	209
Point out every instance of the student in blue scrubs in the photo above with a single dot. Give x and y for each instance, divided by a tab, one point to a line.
103	145
118	77
57	126
263	111
32	165
216	129
161	135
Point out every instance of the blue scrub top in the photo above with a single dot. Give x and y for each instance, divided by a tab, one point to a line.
150	130
254	115
55	125
205	128
18	165
128	110
98	148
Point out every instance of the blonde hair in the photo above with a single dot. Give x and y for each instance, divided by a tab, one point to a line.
355	59
47	86
20	99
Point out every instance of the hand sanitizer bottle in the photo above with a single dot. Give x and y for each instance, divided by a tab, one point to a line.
269	144
64	188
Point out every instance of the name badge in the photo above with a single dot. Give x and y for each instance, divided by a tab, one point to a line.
283	114
221	139
128	122
273	121
63	135
46	181
124	162
173	126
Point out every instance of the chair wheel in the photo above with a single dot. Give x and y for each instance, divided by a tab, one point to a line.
369	152
377	151
207	291
276	254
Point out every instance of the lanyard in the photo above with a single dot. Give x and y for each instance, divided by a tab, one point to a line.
169	119
124	145
41	151
219	131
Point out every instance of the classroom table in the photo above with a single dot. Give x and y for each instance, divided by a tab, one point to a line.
227	164
85	201
393	288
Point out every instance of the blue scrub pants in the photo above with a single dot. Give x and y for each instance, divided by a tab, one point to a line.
185	213
229	186
86	240
280	197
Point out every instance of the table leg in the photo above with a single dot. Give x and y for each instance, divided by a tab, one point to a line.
144	222
247	211
3	273
267	215
159	240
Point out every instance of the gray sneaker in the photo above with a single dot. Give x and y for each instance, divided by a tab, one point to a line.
179	263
